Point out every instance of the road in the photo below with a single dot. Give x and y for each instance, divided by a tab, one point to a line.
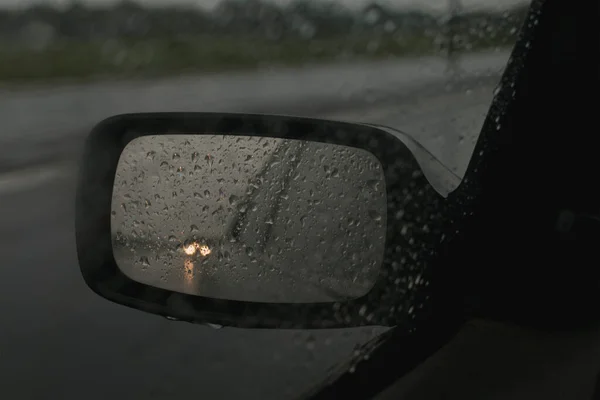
60	340
36	121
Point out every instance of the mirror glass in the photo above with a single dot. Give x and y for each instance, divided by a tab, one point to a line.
249	218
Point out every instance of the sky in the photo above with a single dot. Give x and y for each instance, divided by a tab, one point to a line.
426	4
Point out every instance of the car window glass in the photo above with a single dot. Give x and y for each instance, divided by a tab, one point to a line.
427	68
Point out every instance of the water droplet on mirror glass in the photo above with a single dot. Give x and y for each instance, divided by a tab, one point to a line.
144	261
374	215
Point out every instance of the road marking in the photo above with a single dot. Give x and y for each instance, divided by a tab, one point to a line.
27	178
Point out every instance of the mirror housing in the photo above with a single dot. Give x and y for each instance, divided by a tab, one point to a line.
414	209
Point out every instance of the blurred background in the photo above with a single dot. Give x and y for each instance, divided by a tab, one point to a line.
428	68
81	40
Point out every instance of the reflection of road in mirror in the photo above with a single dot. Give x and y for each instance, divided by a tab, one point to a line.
249	218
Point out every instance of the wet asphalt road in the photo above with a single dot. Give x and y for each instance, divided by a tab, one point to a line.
36	121
60	340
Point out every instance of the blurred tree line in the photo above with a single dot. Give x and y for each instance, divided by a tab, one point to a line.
257	18
127	39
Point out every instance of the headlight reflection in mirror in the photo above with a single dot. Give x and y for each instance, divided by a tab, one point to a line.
249	218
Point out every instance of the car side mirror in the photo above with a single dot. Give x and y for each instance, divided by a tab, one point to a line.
255	220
